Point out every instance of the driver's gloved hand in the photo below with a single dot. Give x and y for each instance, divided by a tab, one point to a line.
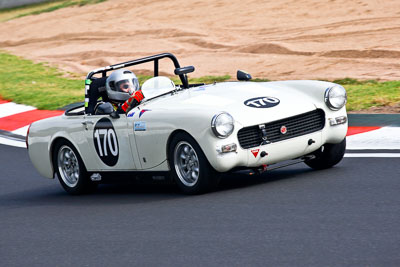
133	101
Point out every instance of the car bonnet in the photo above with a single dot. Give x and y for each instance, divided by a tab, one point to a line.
248	102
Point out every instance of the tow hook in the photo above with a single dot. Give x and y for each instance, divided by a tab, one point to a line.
259	170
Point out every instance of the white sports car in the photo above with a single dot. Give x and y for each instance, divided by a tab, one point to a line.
192	132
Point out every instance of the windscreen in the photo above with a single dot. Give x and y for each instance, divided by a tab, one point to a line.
157	86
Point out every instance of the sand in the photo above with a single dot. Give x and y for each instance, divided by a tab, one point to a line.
281	39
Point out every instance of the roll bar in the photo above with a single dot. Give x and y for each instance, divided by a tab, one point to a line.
178	70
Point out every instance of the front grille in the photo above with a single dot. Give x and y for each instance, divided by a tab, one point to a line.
298	125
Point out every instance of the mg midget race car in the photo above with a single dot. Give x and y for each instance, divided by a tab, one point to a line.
190	131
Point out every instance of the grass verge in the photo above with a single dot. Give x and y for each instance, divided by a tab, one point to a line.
37	85
363	95
44	87
47	6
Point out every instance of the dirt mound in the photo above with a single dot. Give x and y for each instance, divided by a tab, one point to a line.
283	39
363	54
270	49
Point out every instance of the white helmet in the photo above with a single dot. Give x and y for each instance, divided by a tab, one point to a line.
121	84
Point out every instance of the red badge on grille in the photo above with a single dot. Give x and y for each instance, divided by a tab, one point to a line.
283	130
255	152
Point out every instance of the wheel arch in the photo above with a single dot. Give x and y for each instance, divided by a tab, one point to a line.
171	137
53	145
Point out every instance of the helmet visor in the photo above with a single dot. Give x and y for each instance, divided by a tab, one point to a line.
126	86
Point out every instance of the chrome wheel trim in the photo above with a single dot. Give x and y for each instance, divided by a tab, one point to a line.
68	166
187	164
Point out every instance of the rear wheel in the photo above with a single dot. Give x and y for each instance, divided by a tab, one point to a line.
189	166
327	156
70	169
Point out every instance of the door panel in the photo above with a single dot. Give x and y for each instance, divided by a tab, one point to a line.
149	138
108	142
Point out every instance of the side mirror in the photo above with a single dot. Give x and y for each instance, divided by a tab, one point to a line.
114	115
243	76
184	70
104	108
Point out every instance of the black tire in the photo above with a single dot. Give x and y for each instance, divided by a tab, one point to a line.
189	166
71	171
327	156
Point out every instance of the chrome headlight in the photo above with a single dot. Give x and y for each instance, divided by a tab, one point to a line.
335	97
222	125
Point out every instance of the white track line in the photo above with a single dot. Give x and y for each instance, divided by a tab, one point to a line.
10	108
384	138
11	142
372	155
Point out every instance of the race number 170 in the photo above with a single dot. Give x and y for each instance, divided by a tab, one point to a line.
109	140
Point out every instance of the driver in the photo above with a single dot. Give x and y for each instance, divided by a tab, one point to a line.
123	90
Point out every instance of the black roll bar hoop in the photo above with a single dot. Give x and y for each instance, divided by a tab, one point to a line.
154	58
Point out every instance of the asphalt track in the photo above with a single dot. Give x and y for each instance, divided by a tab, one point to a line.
347	215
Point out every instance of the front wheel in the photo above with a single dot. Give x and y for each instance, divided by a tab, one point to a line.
189	166
327	156
70	169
